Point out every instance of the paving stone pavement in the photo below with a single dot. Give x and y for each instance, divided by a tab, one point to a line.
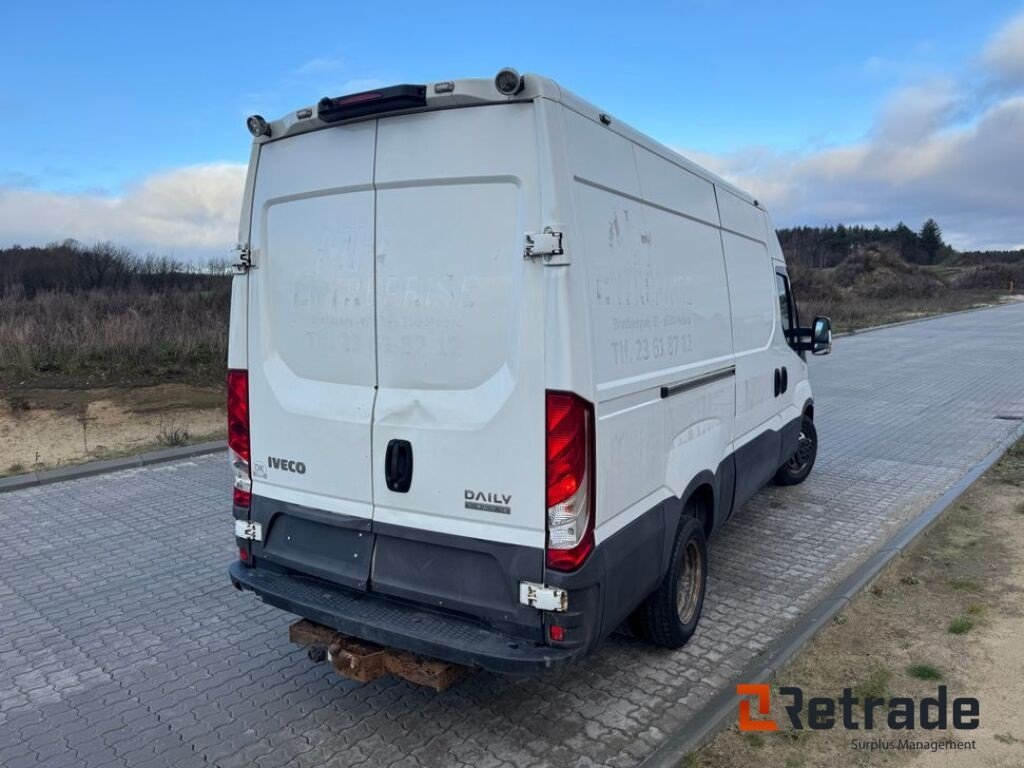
122	642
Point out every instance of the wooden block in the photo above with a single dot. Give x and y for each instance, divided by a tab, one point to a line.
432	673
364	662
357	659
305	632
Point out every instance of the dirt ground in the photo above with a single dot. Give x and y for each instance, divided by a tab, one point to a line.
45	428
949	612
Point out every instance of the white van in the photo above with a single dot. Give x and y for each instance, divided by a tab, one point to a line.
499	366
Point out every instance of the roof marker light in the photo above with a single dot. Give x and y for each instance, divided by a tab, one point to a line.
257	126
508	81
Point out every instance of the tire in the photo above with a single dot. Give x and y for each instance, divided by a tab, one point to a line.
662	619
799	465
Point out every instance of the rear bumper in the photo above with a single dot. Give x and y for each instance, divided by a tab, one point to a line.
394	624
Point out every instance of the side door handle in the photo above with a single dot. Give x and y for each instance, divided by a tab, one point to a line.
398	466
778	382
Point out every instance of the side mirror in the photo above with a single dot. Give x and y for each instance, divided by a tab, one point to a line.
821	336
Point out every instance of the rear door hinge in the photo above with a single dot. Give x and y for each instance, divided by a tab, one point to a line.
545	245
242	259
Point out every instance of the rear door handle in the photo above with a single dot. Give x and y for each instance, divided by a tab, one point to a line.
778	382
398	466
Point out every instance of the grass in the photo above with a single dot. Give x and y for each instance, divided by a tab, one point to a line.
876	684
875	287
965	585
755	740
109	334
924	672
1011	468
170	436
961	625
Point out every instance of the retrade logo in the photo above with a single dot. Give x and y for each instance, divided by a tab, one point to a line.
762	692
821	713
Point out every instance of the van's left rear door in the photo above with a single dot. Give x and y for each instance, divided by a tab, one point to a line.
312	351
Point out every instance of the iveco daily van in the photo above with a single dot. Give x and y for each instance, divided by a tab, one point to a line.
500	365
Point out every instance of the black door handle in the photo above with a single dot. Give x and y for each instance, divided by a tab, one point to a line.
778	382
785	379
398	466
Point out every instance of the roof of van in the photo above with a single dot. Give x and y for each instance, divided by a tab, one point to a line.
447	94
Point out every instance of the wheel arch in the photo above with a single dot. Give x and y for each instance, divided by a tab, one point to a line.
702	489
808	409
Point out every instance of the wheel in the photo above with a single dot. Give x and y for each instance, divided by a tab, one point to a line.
799	465
669	615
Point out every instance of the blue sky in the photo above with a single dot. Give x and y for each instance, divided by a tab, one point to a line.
105	103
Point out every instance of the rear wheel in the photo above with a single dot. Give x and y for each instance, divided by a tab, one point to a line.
799	465
668	617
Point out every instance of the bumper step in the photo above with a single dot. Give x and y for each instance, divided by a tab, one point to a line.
394	625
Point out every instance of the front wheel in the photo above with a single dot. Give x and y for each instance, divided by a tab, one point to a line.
799	465
668	617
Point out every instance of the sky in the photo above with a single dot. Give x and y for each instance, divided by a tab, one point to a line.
125	122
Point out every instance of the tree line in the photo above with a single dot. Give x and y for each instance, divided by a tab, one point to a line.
72	267
828	246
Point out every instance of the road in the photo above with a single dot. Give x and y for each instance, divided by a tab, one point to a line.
122	642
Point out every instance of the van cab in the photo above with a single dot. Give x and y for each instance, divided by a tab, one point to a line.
500	366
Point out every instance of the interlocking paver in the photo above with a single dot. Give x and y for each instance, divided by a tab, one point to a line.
122	642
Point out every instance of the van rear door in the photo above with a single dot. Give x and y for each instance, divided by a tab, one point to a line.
312	355
460	356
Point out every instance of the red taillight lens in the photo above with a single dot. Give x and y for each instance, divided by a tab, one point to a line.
238	413
570	476
238	435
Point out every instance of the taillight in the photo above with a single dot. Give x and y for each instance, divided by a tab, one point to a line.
238	435
570	480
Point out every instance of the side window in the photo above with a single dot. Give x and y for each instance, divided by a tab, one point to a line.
787	307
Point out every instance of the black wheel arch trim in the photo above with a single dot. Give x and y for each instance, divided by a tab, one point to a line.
675	505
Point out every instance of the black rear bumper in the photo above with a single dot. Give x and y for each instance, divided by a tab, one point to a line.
394	624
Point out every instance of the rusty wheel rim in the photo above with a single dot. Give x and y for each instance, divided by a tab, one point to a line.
690	579
804	450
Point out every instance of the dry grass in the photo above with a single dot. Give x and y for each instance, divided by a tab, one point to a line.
132	334
877	288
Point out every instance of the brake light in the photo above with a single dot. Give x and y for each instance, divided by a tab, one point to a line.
238	435
394	98
570	480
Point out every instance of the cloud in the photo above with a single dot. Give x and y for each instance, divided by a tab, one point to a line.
190	211
319	65
941	149
1004	54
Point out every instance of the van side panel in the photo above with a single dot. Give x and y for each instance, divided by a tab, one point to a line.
754	321
646	239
